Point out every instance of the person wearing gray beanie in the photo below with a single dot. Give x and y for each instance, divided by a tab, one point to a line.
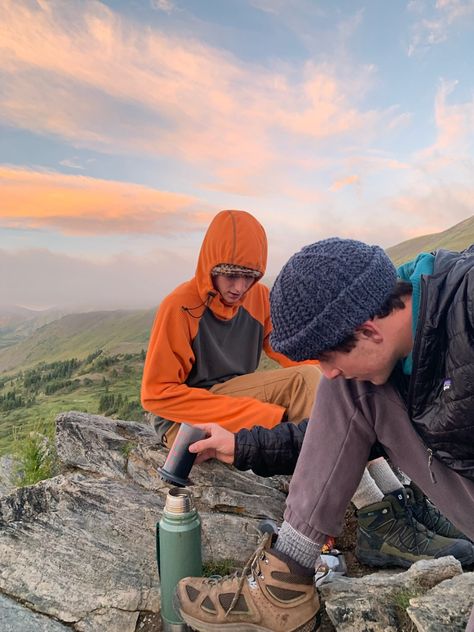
324	292
396	349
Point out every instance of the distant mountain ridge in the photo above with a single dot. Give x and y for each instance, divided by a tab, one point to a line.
127	331
77	335
18	322
457	238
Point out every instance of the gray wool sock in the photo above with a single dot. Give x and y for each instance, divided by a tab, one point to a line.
368	492
297	546
383	475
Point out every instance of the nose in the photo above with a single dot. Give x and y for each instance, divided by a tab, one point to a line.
330	372
239	284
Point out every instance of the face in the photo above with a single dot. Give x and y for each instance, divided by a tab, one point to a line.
371	360
232	287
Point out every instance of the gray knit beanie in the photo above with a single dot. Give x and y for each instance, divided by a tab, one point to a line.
324	292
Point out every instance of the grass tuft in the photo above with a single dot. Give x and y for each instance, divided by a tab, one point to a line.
127	448
219	567
35	458
401	601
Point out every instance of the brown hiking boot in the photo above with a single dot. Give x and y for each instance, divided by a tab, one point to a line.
270	595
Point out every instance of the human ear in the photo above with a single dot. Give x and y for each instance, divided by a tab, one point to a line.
370	331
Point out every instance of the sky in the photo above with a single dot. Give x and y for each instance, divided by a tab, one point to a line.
125	126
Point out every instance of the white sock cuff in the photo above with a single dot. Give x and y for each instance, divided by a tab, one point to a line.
384	476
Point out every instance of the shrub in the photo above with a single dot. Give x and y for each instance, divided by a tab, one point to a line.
36	459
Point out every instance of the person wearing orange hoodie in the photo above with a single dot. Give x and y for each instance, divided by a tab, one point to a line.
208	336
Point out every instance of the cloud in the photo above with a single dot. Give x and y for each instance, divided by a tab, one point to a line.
454	134
435	208
163	5
79	205
72	163
455	123
120	87
345	182
435	29
45	279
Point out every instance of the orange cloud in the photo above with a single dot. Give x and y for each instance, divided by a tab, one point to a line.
323	109
81	205
344	182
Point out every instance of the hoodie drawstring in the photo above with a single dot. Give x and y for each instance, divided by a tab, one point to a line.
205	304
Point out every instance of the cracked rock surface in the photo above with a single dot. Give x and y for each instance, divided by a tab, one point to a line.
77	551
80	547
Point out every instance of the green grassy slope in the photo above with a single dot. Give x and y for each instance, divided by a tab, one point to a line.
77	335
457	237
121	335
17	323
31	399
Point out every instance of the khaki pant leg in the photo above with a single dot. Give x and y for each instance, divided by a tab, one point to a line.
170	436
293	388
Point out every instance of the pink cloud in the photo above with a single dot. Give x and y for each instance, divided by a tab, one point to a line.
454	132
79	205
431	209
201	104
455	123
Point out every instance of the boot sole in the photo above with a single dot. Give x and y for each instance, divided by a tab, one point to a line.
201	626
372	558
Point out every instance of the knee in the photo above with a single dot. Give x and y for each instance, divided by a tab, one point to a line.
309	374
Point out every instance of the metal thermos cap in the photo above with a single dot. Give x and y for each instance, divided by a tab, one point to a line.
179	501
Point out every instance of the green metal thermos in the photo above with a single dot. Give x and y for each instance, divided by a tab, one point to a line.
178	551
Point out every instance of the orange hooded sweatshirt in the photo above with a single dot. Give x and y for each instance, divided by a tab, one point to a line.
198	341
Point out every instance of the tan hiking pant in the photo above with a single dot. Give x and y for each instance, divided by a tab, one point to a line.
293	388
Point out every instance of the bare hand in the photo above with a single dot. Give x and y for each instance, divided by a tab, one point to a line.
220	444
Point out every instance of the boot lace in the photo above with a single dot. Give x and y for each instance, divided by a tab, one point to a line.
251	570
421	534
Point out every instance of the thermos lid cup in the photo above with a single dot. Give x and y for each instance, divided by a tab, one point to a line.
180	461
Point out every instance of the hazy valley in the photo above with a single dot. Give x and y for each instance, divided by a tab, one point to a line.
92	362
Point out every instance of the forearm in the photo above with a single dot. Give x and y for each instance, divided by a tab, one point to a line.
269	451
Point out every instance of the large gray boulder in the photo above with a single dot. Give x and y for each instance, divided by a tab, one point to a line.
378	602
80	547
77	551
446	607
74	546
14	617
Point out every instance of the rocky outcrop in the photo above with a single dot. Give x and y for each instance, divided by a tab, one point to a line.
446	607
77	551
439	597
74	547
7	475
15	618
80	547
